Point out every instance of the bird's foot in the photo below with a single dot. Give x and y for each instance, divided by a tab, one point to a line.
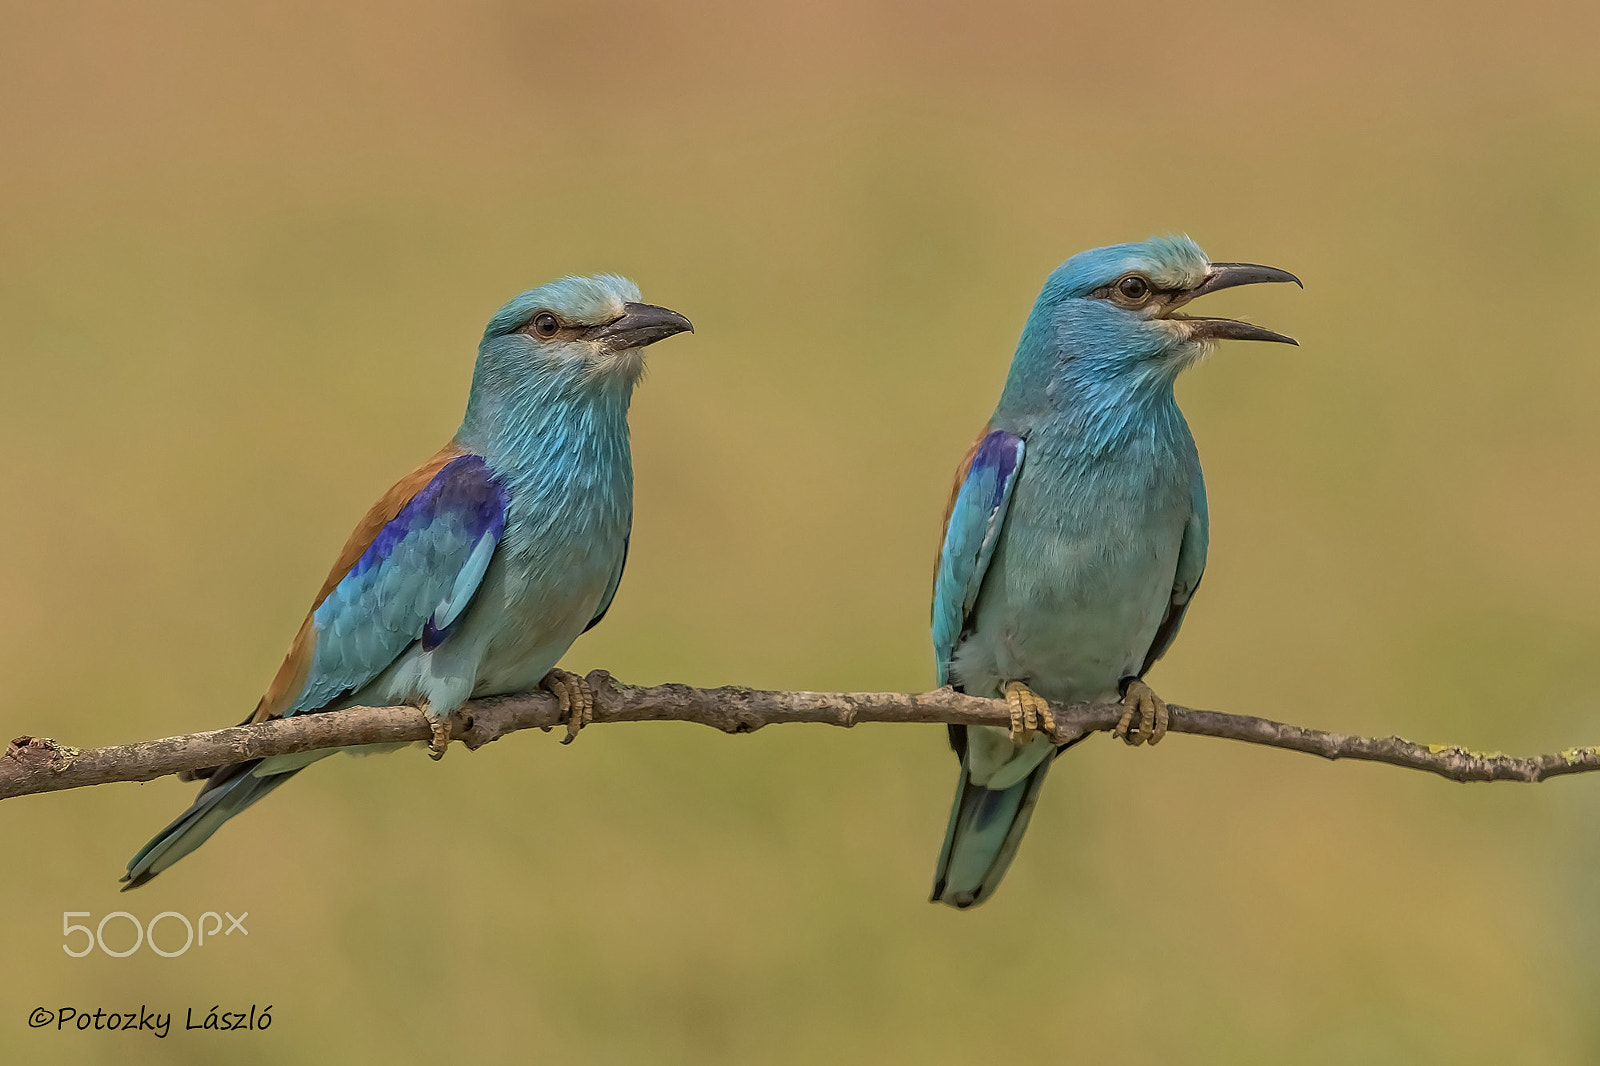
1027	712
1139	699
576	697
441	736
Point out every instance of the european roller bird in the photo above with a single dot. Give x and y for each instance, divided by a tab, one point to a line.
476	571
1076	531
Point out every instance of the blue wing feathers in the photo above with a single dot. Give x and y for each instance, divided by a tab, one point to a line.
455	601
611	588
412	583
971	534
1196	539
1191	568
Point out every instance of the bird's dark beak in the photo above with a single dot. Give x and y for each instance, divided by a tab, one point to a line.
1230	275
1227	276
640	324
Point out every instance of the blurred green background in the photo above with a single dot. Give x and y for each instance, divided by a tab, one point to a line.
245	255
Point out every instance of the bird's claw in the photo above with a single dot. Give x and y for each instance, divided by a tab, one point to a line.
441	737
1028	712
1141	700
576	697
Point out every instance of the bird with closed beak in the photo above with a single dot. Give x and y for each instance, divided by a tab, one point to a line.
473	575
1076	531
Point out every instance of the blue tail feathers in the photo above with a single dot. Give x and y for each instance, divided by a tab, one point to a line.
986	825
227	792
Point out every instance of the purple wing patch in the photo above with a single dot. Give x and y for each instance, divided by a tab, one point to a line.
996	457
465	490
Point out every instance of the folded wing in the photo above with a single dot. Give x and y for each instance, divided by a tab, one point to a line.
973	520
407	574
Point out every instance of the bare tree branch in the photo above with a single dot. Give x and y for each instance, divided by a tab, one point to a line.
34	764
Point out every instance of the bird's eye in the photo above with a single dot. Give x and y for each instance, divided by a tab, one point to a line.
1133	287
545	324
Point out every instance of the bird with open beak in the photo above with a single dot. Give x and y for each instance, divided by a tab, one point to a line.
473	574
1076	531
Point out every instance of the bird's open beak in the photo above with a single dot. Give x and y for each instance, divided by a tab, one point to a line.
640	324
1227	276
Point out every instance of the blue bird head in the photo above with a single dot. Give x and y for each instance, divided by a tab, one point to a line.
1110	318
573	334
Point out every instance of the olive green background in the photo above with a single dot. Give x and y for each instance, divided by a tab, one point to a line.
245	256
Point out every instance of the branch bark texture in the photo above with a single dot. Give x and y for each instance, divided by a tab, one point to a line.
36	764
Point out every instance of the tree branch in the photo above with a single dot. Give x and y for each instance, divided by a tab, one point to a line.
33	764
